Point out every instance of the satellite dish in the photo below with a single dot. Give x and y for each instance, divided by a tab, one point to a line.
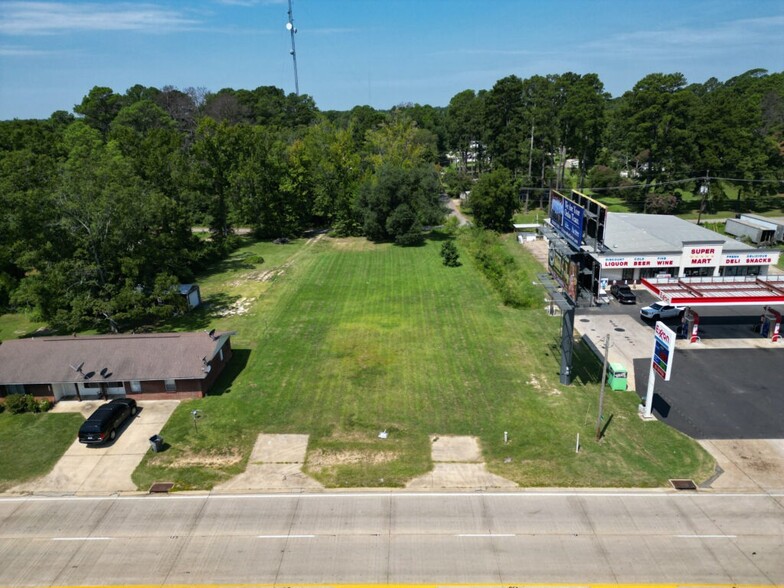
206	369
77	368
212	334
103	372
289	26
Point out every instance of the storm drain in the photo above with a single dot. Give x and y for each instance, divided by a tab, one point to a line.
683	484
161	487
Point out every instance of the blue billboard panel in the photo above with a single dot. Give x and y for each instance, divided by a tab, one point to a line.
567	218
573	223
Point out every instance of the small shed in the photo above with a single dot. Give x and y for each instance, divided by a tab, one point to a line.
192	294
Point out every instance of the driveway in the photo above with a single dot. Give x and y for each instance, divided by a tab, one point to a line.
104	469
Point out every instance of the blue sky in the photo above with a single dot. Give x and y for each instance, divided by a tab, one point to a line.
377	52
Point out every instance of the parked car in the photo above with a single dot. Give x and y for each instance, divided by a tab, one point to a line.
102	425
623	293
661	310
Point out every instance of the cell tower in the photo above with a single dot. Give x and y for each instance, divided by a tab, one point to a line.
293	30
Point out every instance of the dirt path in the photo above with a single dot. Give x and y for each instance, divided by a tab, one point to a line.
454	207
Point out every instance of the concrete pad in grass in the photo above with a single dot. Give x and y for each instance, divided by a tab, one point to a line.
455	448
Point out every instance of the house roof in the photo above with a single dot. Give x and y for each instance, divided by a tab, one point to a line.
659	233
110	358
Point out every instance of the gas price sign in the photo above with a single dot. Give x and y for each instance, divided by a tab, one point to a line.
663	350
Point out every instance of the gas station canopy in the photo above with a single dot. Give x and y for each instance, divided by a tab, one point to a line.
717	291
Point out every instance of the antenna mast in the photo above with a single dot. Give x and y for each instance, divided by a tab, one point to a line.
292	29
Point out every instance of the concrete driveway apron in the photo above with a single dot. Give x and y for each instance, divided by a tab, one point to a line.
104	469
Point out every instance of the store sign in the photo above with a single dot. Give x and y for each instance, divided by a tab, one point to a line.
701	255
763	258
663	350
639	261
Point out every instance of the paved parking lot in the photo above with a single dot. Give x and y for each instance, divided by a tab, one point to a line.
725	391
104	469
721	394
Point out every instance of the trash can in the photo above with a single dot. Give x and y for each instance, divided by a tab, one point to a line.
616	376
156	443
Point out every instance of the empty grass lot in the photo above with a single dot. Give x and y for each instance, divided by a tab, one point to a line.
354	338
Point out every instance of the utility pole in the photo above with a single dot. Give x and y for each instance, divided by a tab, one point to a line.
704	189
601	394
293	30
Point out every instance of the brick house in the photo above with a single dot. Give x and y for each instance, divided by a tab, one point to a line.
144	367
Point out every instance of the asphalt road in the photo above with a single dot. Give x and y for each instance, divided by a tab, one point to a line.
393	538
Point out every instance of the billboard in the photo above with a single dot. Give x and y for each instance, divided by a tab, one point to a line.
567	217
663	350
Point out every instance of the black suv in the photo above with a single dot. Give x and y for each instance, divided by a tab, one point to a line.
623	293
107	418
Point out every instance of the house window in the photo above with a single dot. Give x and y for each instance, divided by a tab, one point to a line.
15	388
170	385
136	386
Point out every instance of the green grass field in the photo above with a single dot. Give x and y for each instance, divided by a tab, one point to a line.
30	444
353	338
15	325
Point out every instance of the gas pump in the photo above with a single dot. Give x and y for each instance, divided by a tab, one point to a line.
770	324
690	325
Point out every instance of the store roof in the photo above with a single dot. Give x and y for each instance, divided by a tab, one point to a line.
658	233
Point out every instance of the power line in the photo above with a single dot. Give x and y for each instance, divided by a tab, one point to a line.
665	183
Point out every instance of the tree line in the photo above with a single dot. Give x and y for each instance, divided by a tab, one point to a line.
98	204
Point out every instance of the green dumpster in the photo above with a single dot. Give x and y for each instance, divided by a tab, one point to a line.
616	376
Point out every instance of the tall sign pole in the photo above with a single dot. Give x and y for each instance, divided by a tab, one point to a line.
601	394
293	30
661	363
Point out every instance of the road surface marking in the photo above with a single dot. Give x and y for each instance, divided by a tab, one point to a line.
706	536
486	535
285	536
81	538
353	496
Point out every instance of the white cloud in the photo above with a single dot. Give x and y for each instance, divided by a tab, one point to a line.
21	51
329	31
30	18
725	36
249	3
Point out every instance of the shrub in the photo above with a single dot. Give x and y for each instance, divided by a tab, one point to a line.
449	254
255	259
45	405
19	403
500	268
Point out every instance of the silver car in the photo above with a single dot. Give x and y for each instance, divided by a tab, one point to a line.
661	310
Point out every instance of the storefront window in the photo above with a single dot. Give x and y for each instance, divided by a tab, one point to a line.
740	270
628	274
657	272
698	272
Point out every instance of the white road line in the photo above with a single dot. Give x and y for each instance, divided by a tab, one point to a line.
81	538
486	535
285	536
353	496
706	536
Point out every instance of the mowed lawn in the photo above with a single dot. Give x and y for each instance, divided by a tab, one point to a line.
356	338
